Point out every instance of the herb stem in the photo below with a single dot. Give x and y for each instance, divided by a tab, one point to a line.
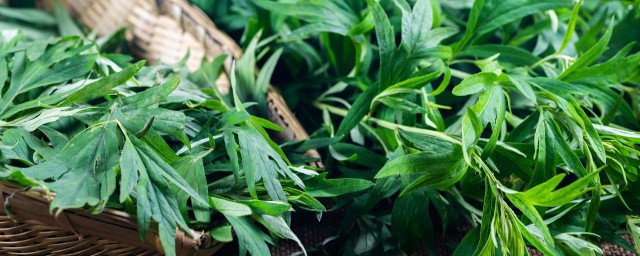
375	134
542	61
454	72
459	74
389	125
545	59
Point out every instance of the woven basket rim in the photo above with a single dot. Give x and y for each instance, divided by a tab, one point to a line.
28	203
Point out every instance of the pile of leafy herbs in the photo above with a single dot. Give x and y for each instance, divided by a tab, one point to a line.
519	117
156	141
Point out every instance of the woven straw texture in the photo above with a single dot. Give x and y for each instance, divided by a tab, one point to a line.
162	30
34	231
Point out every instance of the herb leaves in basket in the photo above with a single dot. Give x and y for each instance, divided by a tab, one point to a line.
155	141
518	118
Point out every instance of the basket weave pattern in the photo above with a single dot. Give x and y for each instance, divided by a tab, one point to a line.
36	238
162	30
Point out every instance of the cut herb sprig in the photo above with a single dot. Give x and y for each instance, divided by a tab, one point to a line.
488	105
157	141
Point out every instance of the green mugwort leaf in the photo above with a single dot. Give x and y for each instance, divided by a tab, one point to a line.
103	86
591	55
474	84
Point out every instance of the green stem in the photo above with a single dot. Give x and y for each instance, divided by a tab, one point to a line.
389	125
459	74
545	59
375	134
542	61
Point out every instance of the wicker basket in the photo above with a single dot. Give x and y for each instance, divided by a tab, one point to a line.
162	30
